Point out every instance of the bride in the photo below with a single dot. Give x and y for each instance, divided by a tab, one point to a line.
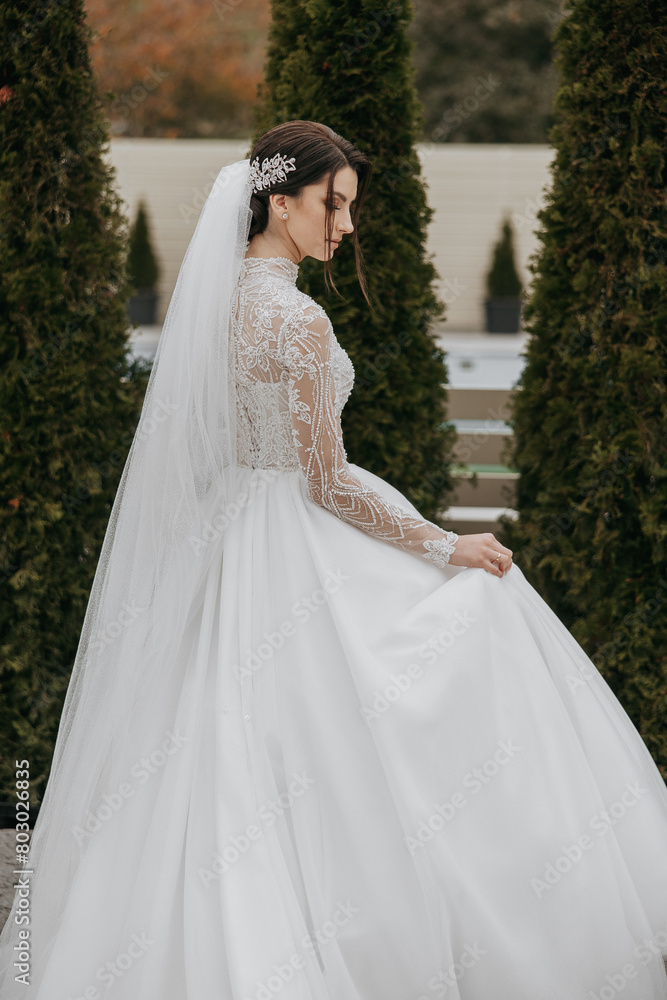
314	746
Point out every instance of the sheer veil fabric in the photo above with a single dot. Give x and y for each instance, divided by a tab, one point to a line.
301	755
178	480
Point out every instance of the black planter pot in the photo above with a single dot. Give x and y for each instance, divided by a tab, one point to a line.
503	314
141	308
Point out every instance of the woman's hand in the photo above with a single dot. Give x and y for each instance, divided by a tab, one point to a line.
482	551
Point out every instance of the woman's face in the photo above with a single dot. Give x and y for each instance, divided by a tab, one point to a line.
303	229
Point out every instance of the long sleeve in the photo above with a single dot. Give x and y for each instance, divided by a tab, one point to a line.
307	354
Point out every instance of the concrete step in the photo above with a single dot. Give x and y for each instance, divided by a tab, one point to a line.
481	441
493	486
478	403
475	520
480	415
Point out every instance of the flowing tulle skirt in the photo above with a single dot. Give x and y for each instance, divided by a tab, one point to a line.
375	780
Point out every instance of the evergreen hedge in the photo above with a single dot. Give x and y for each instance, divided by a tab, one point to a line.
348	65
590	416
503	279
143	269
69	396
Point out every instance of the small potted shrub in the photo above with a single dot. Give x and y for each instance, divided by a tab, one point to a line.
503	305
142	271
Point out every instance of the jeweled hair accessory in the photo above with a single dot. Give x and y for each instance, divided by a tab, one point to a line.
275	169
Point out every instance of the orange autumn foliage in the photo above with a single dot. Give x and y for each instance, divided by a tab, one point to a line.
186	68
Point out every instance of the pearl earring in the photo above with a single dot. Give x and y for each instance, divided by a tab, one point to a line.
284	215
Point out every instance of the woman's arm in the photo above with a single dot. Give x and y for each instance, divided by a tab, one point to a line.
306	353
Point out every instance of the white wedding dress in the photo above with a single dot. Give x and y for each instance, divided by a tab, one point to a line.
383	777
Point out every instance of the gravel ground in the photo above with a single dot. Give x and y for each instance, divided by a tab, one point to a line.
7	877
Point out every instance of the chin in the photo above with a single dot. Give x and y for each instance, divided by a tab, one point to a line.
322	254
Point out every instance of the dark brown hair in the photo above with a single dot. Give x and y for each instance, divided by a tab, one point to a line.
317	151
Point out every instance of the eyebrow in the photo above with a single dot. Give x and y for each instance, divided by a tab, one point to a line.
339	195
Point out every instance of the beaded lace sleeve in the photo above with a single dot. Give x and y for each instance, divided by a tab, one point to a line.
307	356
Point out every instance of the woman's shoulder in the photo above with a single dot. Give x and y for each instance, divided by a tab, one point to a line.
312	308
300	309
292	311
306	329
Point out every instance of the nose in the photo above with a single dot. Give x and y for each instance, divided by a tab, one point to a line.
345	224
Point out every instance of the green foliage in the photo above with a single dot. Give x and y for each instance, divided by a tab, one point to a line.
485	70
69	398
142	267
503	279
348	66
590	417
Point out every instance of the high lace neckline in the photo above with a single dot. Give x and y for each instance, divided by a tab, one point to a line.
281	266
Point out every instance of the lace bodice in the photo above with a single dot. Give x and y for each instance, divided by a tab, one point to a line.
293	379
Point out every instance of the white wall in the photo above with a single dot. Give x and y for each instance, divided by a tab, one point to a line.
468	185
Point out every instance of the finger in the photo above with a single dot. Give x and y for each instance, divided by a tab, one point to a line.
500	561
499	547
505	554
496	570
503	549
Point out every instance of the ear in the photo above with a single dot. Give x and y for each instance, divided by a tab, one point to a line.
278	202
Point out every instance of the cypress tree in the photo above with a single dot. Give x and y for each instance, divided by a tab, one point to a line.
69	396
142	267
589	417
348	65
503	278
